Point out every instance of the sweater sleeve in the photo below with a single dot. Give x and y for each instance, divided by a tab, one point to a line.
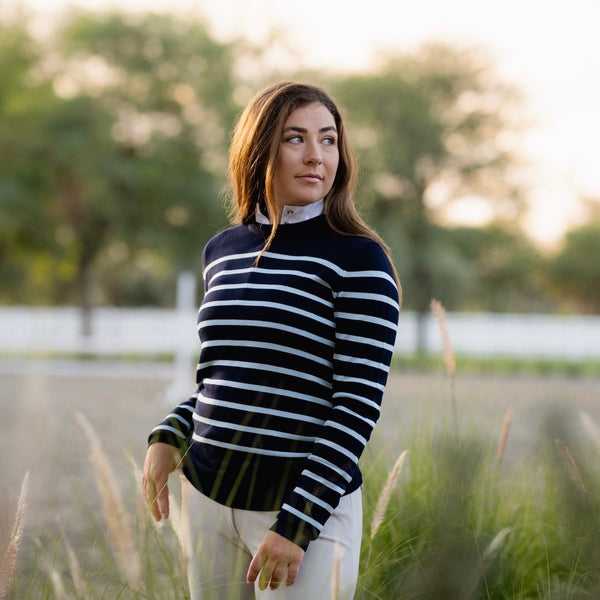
366	317
177	427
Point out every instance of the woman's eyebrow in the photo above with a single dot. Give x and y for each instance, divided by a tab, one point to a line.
304	130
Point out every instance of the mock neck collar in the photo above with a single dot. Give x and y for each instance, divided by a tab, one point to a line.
293	214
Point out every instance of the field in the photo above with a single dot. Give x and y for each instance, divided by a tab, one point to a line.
41	432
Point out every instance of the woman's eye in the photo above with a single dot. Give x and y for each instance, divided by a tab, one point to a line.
294	139
329	141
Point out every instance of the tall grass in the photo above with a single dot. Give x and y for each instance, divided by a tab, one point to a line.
9	548
463	526
450	519
444	523
111	550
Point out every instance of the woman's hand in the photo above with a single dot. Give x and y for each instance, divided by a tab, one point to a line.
161	460
274	557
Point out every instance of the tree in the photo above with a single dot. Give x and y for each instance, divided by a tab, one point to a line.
24	98
502	270
575	270
168	87
126	158
431	128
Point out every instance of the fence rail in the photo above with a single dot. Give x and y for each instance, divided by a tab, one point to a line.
153	331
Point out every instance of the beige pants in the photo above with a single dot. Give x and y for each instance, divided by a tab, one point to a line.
223	541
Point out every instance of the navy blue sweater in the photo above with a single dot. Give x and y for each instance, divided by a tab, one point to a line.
295	353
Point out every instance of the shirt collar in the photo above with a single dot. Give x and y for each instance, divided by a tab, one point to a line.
294	214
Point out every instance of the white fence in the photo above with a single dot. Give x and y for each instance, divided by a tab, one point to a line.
574	337
28	330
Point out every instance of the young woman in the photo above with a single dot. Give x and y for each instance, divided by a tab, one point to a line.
297	330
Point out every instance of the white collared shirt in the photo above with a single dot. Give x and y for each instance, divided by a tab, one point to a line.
294	214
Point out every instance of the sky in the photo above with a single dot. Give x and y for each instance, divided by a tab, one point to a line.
548	49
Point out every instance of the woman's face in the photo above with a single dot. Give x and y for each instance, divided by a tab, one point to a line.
308	157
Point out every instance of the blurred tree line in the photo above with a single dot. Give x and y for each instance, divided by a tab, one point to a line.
114	133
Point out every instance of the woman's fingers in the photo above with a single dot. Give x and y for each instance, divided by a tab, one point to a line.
161	460
275	556
256	565
277	576
152	500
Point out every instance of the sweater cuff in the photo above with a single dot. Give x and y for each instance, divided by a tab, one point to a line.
295	529
167	437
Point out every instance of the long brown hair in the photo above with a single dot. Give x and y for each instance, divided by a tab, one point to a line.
253	156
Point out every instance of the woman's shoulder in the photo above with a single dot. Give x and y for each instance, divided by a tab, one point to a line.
243	233
364	266
359	253
235	238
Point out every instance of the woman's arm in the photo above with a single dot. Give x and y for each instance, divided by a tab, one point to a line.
366	317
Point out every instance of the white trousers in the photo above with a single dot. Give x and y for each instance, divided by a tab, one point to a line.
222	542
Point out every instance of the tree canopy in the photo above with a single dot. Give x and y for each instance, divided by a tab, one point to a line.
575	273
122	168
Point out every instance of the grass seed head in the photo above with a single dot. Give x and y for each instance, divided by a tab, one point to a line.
119	527
8	560
449	359
386	494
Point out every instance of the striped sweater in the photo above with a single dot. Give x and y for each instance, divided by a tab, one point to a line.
294	358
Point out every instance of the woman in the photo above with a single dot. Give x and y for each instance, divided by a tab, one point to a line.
297	329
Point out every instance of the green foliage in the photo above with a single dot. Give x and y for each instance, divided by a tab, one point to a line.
575	271
154	62
463	526
123	160
428	363
21	226
113	145
503	271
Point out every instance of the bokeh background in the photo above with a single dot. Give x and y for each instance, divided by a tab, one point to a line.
476	129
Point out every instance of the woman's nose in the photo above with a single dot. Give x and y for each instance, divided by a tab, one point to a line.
313	154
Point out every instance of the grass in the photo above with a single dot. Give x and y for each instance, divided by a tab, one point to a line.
445	518
422	363
463	526
447	521
498	365
460	526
